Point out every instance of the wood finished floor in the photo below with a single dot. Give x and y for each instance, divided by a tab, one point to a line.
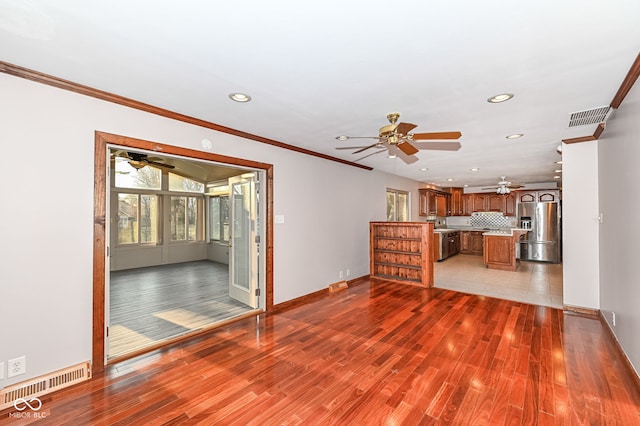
538	283
150	305
376	353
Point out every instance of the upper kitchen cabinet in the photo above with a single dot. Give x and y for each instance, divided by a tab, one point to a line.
510	201
483	202
455	201
479	202
476	202
433	202
495	203
548	195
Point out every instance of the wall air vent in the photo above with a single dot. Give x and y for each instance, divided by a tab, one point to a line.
589	116
44	384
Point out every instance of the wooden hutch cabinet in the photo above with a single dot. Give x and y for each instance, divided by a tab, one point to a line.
402	251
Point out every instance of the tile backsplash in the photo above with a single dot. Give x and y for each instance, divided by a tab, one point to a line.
483	220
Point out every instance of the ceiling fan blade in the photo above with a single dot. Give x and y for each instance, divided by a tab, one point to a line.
438	146
405	128
436	135
369	155
365	148
407	148
363	137
492	187
352	147
155	163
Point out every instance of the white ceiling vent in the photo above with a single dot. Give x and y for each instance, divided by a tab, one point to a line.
589	116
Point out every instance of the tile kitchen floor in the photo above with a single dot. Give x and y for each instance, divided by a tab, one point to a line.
537	283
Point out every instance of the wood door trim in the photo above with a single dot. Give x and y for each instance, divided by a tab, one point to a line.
60	83
100	217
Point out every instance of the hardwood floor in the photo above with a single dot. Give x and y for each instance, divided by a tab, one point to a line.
150	305
376	353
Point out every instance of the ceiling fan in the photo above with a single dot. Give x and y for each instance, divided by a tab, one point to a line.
138	160
395	136
504	186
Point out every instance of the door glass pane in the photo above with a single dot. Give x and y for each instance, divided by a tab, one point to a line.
177	221
241	233
192	212
148	218
127	218
214	218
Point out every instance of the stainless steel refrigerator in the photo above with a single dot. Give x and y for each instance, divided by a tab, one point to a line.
543	242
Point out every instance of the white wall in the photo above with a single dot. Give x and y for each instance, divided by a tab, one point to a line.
46	223
619	159
580	225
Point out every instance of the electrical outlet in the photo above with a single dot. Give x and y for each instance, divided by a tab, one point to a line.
341	274
613	318
17	366
1	370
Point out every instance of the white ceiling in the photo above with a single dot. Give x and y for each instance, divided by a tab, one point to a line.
319	69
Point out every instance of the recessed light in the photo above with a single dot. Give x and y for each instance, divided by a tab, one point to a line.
239	97
465	185
450	180
424	169
556	177
500	98
559	149
391	156
559	162
557	171
342	137
475	169
515	136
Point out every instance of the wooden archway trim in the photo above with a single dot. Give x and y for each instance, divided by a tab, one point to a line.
100	218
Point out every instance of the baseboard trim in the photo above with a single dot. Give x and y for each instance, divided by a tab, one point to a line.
580	310
632	371
307	298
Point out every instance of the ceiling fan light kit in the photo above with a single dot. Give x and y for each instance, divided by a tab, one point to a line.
397	135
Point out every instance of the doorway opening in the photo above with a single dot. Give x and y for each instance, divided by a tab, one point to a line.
184	239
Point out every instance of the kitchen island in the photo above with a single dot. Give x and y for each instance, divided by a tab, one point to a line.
500	248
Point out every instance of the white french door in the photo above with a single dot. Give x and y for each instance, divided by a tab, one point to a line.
243	250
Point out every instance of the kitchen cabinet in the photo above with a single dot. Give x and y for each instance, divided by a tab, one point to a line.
441	205
471	242
479	202
475	202
455	201
432	202
495	203
540	195
402	251
500	251
510	202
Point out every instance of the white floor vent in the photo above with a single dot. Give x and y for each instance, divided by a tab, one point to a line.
45	384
